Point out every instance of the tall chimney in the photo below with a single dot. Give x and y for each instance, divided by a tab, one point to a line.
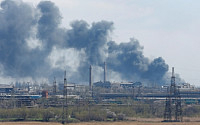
104	72
90	77
172	71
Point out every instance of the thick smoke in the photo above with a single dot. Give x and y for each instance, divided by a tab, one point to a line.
93	40
128	59
16	20
32	44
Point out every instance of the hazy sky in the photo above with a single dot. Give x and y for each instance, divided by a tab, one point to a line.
166	28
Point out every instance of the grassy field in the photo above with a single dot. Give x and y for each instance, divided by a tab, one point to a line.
100	123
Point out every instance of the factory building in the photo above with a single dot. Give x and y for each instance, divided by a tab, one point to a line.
6	89
106	84
131	84
186	86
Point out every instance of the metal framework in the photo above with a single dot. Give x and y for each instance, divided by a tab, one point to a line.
65	106
174	96
54	86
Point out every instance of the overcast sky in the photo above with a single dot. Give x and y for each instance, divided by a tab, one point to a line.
166	28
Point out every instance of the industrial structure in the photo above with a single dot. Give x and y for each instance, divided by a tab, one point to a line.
64	94
65	105
6	88
105	83
90	77
104	72
54	86
174	96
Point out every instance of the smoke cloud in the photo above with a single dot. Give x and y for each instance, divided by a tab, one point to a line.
32	44
128	59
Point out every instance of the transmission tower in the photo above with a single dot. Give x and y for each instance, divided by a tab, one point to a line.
54	86
174	95
65	106
178	109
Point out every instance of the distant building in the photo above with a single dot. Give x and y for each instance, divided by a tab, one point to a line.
131	84
182	87
126	84
106	84
186	86
45	94
6	88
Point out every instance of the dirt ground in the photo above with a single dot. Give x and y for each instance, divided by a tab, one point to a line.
100	123
29	123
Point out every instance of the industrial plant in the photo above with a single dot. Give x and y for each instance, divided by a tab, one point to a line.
64	94
88	76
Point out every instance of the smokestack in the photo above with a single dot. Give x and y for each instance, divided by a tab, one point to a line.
104	72
173	79
28	87
90	77
172	71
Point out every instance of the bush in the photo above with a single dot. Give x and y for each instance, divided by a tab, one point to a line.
111	115
46	115
121	116
82	116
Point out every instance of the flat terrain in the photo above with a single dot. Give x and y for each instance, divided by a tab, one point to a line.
133	121
100	123
137	123
29	123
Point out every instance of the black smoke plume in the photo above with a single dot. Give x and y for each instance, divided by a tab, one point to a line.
128	59
32	44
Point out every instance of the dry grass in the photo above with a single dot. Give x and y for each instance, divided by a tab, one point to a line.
134	121
137	123
29	123
100	123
